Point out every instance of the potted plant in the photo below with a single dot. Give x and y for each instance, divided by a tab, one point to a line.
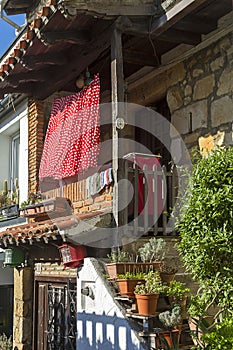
201	315
167	273
147	293
152	253
178	293
9	201
128	281
172	322
120	263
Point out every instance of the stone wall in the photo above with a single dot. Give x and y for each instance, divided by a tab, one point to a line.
201	104
23	297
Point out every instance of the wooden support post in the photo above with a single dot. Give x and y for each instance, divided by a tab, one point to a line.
117	78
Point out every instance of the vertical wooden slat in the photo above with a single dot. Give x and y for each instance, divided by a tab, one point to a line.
135	200
146	197
117	80
155	198
164	196
174	191
126	212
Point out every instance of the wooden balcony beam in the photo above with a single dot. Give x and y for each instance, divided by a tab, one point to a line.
175	14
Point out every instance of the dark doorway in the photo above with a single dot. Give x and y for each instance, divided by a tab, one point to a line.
55	315
6	309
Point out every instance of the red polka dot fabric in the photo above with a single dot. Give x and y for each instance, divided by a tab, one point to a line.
73	134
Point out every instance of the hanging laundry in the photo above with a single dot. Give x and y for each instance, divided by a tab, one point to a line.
98	181
73	135
148	161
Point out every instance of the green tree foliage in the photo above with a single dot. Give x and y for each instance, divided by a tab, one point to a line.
206	226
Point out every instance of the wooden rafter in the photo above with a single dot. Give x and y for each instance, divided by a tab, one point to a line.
172	16
46	59
80	37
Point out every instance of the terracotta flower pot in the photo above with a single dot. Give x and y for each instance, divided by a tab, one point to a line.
168	337
167	277
147	303
127	286
119	268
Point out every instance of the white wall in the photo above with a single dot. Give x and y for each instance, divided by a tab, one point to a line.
23	164
100	321
16	121
4	158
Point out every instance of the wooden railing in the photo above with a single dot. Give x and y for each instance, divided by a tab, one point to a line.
155	194
147	210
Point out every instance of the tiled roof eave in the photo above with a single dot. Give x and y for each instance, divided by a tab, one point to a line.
44	232
25	39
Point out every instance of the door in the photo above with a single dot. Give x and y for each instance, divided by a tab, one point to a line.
55	316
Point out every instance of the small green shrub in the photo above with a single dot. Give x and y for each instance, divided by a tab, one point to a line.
131	276
119	256
153	284
221	338
5	343
171	319
153	250
177	289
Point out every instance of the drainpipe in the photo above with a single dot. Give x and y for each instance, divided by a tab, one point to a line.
6	19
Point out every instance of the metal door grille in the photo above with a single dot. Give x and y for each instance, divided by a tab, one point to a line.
61	324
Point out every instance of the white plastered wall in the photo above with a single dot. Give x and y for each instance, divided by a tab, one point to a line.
101	323
15	122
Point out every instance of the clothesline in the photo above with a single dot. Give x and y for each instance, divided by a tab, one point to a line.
97	182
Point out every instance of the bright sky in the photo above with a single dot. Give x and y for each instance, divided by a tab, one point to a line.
8	33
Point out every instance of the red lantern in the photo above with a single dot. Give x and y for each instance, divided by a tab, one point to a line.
71	255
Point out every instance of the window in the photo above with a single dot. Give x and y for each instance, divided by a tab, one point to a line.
14	161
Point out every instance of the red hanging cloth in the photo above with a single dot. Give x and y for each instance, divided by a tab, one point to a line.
73	134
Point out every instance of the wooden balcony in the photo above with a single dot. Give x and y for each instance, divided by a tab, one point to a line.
148	210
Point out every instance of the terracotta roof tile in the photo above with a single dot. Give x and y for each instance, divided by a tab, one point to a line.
25	39
44	231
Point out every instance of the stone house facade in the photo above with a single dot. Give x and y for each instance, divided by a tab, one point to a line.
193	79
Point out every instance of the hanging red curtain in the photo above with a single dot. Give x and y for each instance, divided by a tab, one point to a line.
73	134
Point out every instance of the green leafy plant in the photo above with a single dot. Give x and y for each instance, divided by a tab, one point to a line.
152	285
131	276
171	319
221	338
173	344
9	197
5	343
119	255
153	250
205	228
177	289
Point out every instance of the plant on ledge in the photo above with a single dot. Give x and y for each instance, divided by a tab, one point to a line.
5	343
118	255
128	281
169	336
8	197
147	293
171	319
153	251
